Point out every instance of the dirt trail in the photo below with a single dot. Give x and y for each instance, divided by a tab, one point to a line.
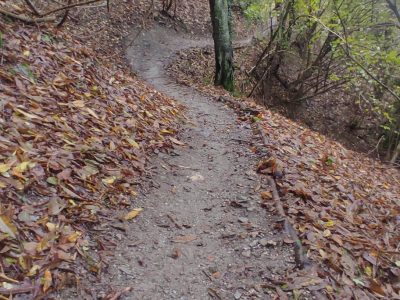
202	233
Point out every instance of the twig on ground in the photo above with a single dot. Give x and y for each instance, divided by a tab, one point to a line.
301	259
25	18
173	220
65	17
33	8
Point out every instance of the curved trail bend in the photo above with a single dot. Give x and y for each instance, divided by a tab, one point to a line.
202	234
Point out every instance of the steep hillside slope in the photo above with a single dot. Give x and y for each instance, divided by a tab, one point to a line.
75	139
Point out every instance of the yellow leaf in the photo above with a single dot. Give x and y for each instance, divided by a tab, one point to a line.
29	116
23	263
26	53
22	167
368	271
109	180
322	253
90	111
33	271
42	245
2	185
327	233
397	263
133	214
47	280
4	168
166	131
133	143
6	226
79	103
266	195
73	237
51	226
330	223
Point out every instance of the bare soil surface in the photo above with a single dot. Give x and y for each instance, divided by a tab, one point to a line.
203	233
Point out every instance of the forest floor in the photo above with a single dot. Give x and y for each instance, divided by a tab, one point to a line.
203	233
133	196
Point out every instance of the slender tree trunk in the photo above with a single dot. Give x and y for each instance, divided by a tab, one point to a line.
222	34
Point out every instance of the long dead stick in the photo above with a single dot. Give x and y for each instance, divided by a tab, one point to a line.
25	18
301	259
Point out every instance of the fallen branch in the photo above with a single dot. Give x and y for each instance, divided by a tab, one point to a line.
301	259
299	255
25	18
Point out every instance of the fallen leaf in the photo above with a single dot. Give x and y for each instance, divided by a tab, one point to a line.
4	168
177	142
6	226
133	214
47	280
182	239
133	143
109	180
266	195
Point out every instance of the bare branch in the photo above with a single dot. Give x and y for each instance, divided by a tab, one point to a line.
27	19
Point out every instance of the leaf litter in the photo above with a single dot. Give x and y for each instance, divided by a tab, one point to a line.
75	138
344	206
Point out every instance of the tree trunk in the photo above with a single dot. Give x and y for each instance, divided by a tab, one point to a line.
222	34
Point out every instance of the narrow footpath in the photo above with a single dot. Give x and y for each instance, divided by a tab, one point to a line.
203	233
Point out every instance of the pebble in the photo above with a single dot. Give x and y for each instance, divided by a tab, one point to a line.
265	242
243	220
246	253
254	243
237	295
243	198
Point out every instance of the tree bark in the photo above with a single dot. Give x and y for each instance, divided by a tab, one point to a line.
222	35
